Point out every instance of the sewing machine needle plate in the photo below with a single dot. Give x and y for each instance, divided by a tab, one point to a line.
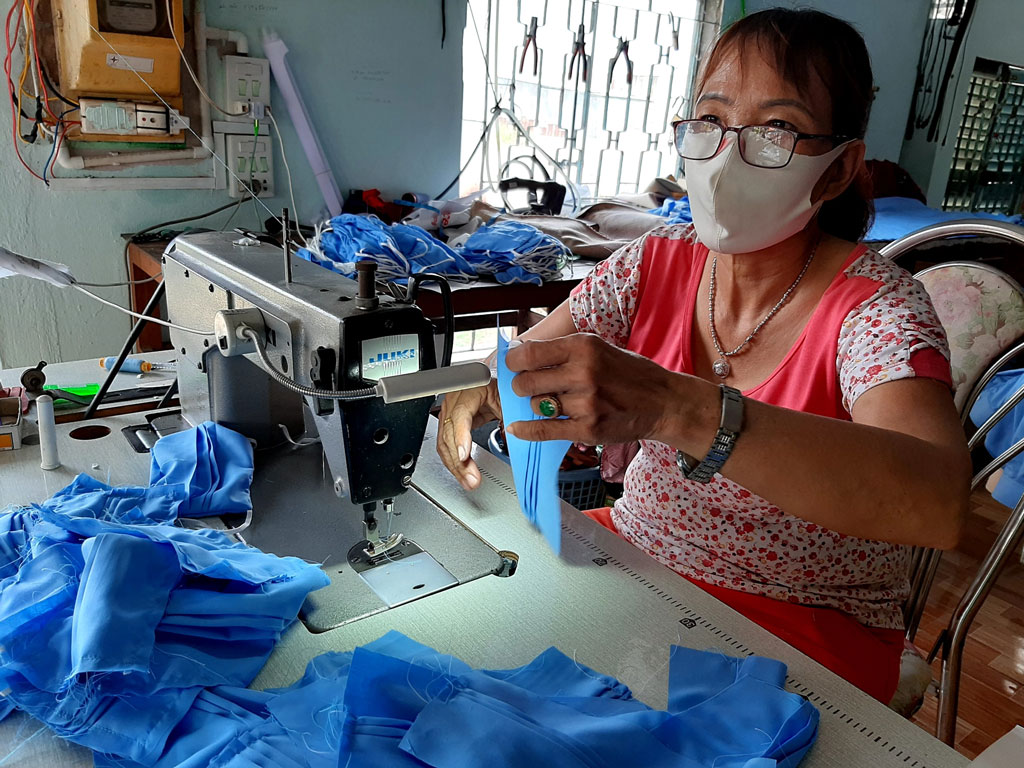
400	581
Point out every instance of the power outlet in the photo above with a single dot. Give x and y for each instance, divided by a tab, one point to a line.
250	165
247	82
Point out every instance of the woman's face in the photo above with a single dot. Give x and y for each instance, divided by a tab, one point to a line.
746	88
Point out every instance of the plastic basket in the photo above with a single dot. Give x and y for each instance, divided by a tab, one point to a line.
580	488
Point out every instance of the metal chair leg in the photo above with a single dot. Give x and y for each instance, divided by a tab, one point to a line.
953	637
921	585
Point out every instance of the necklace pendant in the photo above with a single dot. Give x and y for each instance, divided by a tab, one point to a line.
721	368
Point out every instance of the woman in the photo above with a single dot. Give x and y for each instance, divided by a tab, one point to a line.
790	388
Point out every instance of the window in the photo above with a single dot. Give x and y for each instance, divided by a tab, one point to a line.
988	161
608	136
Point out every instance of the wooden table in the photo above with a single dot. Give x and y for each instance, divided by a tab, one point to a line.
478	304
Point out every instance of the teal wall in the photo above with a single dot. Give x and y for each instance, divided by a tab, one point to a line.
995	33
892	30
383	95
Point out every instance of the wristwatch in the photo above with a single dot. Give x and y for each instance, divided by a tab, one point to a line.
721	447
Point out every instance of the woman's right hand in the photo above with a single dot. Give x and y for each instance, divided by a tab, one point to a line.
461	412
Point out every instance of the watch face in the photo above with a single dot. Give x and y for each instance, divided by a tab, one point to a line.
129	16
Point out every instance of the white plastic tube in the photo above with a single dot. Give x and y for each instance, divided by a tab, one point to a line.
275	50
48	456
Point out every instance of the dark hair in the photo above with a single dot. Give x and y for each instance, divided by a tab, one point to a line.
808	44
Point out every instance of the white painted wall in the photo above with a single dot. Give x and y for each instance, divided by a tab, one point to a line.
892	30
384	96
995	33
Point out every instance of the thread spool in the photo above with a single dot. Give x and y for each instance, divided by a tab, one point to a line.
48	456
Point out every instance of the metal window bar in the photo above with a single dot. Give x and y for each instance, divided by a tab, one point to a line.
988	158
608	135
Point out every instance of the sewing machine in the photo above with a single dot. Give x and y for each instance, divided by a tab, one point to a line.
301	353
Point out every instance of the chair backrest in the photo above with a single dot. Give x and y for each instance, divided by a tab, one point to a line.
982	311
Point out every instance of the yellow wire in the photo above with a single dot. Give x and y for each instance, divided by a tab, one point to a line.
24	68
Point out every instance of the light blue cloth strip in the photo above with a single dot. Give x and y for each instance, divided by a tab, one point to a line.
534	465
1008	431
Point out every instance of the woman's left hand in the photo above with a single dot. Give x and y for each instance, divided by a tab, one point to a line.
609	395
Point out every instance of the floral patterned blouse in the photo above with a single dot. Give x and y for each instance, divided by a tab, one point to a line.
874	324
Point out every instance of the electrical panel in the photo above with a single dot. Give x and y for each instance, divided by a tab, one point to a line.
107	48
247	82
251	160
120	52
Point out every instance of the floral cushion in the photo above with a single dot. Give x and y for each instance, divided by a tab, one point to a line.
982	311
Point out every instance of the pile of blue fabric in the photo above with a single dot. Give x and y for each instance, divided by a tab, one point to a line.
113	620
1007	432
400	250
511	251
395	703
514	252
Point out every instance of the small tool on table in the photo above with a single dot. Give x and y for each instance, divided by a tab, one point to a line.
529	38
579	50
622	51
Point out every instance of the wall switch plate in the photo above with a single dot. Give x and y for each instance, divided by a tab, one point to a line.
247	164
246	82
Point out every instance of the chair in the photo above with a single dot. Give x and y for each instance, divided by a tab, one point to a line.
982	311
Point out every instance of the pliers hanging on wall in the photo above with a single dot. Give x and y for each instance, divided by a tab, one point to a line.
623	50
528	38
579	50
675	30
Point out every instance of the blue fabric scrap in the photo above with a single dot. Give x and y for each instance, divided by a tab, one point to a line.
515	252
1005	433
534	465
140	616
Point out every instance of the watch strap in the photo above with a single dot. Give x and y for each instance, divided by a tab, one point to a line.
729	427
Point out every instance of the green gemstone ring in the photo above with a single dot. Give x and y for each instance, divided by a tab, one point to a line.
550	407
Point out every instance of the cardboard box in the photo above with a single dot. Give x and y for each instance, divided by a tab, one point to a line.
10	423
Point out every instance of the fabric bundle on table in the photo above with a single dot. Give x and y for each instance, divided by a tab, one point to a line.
113	621
395	703
515	252
511	251
400	250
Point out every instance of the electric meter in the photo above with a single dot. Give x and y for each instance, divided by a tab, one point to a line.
138	17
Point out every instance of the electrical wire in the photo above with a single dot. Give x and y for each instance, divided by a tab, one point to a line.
53	88
188	67
325	394
288	172
15	109
155	321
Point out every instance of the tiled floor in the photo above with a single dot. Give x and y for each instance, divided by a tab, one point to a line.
992	687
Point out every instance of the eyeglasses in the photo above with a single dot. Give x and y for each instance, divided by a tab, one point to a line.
763	146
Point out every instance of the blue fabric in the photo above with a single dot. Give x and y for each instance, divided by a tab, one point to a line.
400	250
896	217
1008	431
398	704
515	252
534	465
676	211
140	616
211	463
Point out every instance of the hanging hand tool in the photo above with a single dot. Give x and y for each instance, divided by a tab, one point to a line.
528	38
579	50
675	30
623	50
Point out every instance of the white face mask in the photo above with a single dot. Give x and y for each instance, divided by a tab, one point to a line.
739	208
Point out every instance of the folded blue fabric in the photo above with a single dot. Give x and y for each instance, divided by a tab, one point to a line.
534	465
675	211
397	703
515	252
896	217
1008	431
211	463
140	616
400	250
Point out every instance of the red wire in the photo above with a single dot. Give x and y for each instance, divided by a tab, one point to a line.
39	70
10	89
